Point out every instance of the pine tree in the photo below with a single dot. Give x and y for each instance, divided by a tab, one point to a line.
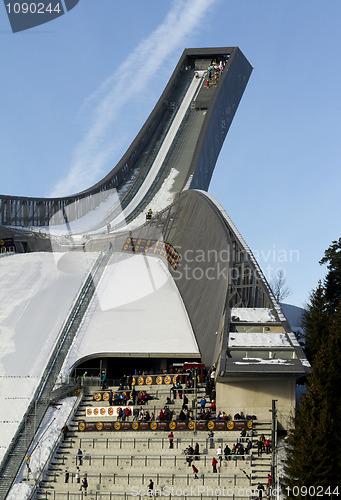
314	445
316	322
332	283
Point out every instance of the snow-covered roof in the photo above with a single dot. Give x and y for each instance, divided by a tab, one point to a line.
252	314
251	339
261	361
137	309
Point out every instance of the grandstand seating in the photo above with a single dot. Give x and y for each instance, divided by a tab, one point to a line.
120	464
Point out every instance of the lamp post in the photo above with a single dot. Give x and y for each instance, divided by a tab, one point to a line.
273	441
195	400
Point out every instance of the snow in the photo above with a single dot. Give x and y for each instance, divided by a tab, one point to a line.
161	199
253	315
251	339
21	491
261	361
37	292
305	363
293	339
93	221
40	451
281	458
137	308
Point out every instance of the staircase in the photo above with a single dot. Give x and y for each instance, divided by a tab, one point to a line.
120	464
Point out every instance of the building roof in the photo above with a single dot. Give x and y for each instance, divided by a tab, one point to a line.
137	310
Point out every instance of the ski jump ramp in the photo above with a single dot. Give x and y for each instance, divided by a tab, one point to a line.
183	284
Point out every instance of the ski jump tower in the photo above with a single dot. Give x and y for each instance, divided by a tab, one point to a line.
237	324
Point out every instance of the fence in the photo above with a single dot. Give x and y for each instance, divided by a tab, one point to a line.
154	442
153	460
56	444
63	495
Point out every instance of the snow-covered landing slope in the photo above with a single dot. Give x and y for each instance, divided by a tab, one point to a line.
36	294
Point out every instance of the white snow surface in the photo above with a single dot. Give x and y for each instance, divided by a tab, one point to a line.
261	361
37	292
305	363
21	491
253	315
161	200
251	339
136	309
92	221
293	339
47	435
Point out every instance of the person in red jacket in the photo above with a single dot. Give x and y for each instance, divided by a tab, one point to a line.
195	472
171	437
214	464
267	446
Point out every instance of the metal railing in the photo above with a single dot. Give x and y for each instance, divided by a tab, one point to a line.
154	460
67	495
160	478
56	445
155	442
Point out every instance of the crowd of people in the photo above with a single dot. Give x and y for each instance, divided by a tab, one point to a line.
128	394
263	445
214	71
183	386
83	484
184	376
123	397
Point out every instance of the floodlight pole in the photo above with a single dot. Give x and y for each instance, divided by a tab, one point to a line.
273	441
195	402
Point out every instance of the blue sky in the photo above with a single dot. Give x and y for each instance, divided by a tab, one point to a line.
74	92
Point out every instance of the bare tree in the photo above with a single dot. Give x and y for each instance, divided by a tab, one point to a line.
278	285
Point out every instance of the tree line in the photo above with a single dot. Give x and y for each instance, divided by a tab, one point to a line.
313	452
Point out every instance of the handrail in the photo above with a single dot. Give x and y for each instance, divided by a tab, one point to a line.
56	445
177	442
160	475
147	460
104	495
